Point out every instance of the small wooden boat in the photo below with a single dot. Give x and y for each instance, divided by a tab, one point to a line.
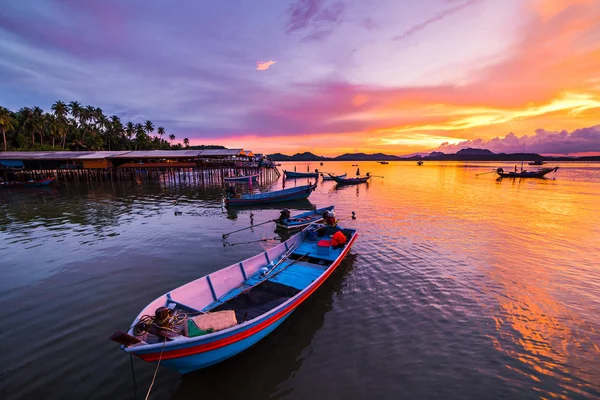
292	174
304	219
419	163
540	173
329	178
537	162
350	181
383	162
295	193
222	314
31	183
241	179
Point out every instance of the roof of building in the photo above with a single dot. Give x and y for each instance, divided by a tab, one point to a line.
103	154
221	152
159	154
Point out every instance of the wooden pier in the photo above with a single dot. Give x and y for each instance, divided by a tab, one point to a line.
191	167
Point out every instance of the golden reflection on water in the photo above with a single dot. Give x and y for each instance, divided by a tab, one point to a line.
537	242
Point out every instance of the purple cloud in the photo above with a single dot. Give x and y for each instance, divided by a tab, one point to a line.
438	17
316	22
543	142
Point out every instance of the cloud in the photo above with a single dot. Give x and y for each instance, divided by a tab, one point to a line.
585	140
264	65
314	21
437	17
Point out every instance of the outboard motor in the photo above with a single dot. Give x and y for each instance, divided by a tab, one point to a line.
500	170
284	214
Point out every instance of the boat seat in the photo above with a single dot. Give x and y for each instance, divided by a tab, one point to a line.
179	305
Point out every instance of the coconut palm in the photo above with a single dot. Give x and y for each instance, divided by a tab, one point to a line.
186	142
171	138
160	131
149	127
60	111
6	123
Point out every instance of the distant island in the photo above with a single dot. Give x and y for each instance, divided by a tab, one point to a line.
461	155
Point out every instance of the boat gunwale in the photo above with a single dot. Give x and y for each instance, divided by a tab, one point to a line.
146	351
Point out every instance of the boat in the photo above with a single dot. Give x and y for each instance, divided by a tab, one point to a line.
537	162
242	179
329	178
355	165
295	193
293	174
419	163
304	219
350	181
219	315
540	173
383	162
30	183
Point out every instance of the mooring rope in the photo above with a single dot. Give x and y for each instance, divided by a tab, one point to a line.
156	370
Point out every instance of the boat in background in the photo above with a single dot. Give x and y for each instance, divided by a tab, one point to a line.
383	162
293	174
304	219
536	162
241	179
540	173
419	163
350	181
219	315
30	183
329	178
295	193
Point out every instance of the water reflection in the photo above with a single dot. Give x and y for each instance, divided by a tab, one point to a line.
259	371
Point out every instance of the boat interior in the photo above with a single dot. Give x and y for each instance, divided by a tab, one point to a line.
300	262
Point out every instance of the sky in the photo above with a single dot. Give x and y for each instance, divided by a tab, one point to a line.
327	76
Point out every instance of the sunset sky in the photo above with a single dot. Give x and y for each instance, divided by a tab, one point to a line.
327	76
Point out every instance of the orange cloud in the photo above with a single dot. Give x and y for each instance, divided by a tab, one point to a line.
264	65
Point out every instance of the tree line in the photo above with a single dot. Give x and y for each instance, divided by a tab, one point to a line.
75	127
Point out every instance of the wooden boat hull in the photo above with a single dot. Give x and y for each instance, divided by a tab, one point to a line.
300	192
190	354
304	219
526	174
241	179
292	174
329	178
349	181
43	182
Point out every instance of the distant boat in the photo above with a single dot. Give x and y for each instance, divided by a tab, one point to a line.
329	178
350	181
31	183
295	193
304	219
241	179
537	162
419	163
293	174
540	173
355	165
217	316
383	162
321	163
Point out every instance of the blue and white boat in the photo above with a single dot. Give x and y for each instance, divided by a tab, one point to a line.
293	174
329	178
241	179
304	219
245	301
295	193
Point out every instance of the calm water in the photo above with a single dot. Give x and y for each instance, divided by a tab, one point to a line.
458	287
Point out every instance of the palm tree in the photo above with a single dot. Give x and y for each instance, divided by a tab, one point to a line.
160	131
140	135
60	111
6	123
38	115
27	124
186	142
171	138
149	127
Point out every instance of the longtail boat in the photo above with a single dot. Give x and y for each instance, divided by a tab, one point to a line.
31	183
540	173
350	181
292	174
537	162
329	178
419	163
295	193
221	314
302	220
241	179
